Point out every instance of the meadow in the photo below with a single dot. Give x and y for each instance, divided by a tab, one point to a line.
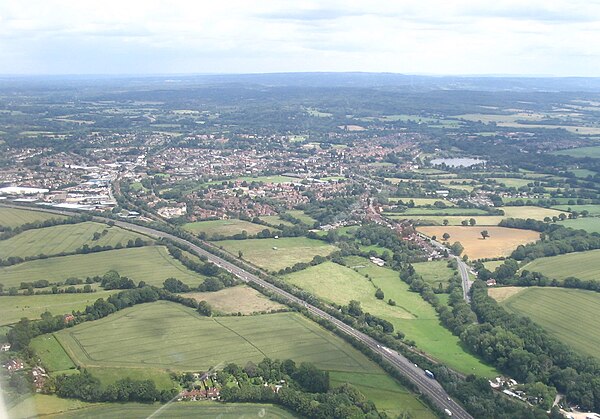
582	265
591	208
50	350
274	220
225	228
502	241
570	315
13	217
435	273
64	238
276	254
300	215
420	202
164	335
536	213
412	315
581	152
152	264
240	299
512	182
444	211
13	308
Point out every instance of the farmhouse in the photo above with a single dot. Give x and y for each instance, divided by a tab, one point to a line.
490	282
14	365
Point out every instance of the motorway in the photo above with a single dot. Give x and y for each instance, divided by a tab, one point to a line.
427	386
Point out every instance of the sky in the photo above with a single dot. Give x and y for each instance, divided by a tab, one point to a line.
458	37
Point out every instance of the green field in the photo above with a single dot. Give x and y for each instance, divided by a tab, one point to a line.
412	315
581	152
276	254
444	211
64	238
582	265
582	173
165	335
275	220
12	309
226	228
152	264
50	350
300	215
512	182
589	224
54	407
591	208
435	273
419	202
453	220
569	314
12	217
269	179
536	213
493	264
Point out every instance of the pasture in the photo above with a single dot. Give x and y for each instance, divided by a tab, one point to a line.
13	217
300	215
411	315
269	179
570	315
274	220
525	212
276	254
444	211
435	273
152	264
589	224
44	405
164	335
64	238
54	356
226	228
420	202
502	241
582	265
240	299
453	220
13	308
591	208
511	182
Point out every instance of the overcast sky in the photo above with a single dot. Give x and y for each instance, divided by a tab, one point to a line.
525	37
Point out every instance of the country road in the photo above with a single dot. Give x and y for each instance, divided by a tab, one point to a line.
427	386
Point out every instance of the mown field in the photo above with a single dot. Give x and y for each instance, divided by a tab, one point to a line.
12	217
582	265
165	335
536	213
276	254
240	299
152	264
13	308
64	238
502	241
589	224
411	315
569	314
54	407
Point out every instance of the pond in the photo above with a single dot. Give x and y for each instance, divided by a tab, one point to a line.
458	162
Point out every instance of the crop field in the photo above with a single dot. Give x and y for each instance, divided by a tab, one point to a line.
582	152
55	407
13	308
411	315
240	299
592	209
167	335
582	265
64	238
225	228
12	217
502	241
558	310
435	273
276	254
589	224
152	264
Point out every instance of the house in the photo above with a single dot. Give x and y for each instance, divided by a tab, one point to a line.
68	318
490	282
5	347
14	365
39	377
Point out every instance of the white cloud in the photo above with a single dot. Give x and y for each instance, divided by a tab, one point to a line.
426	36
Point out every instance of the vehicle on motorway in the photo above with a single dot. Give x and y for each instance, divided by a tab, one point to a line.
447	412
429	374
